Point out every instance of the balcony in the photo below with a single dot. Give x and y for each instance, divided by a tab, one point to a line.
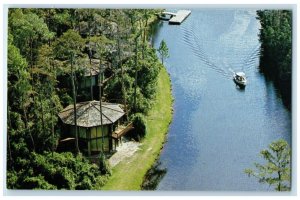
122	130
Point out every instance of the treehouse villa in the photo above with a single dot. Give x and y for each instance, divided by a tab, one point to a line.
89	82
94	134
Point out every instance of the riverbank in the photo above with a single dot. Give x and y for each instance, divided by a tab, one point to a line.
129	173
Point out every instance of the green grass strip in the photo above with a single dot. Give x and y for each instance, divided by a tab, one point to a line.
129	173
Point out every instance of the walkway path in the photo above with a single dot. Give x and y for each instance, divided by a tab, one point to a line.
124	150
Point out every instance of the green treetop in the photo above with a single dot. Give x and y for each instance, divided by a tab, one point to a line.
163	51
277	169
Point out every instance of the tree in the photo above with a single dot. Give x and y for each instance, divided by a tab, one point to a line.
29	31
140	126
18	95
277	169
136	70
67	47
121	33
276	49
163	51
46	71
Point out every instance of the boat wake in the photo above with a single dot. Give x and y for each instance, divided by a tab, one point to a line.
240	55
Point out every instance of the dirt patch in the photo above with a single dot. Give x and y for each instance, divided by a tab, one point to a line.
124	150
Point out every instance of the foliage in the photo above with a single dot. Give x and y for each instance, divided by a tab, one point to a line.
276	48
41	44
56	171
70	43
147	75
104	165
18	76
163	51
19	90
277	169
140	126
29	32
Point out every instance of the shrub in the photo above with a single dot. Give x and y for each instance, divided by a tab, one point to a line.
57	171
104	165
140	126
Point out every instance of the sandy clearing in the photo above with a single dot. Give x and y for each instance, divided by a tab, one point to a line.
124	150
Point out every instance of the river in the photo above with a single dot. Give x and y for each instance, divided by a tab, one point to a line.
218	129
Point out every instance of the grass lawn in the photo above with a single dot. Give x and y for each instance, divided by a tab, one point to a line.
129	173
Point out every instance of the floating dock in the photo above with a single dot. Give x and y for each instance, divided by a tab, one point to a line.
179	17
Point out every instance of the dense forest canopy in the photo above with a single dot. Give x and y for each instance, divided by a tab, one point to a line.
276	44
49	51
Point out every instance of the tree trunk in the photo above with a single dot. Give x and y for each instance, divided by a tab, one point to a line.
52	130
74	103
42	113
279	181
52	114
122	76
90	57
42	110
28	128
100	104
144	36
136	69
91	80
8	139
31	53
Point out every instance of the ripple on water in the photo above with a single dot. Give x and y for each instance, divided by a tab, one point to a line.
218	130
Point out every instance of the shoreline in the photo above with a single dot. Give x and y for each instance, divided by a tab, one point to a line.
129	174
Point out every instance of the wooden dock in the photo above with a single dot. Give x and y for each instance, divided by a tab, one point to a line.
180	16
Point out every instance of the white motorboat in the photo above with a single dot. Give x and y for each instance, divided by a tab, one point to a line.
165	16
240	79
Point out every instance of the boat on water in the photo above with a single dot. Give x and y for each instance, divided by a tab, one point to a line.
240	79
166	16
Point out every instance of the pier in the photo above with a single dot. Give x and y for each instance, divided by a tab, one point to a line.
179	17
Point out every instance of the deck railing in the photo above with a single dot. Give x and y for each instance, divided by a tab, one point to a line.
122	130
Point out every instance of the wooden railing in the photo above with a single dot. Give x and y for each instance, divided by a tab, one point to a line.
122	130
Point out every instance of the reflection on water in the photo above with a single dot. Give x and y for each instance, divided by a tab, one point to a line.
217	130
153	177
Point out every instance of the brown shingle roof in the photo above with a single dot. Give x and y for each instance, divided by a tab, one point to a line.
94	67
88	114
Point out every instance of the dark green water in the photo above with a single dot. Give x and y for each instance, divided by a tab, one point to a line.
218	130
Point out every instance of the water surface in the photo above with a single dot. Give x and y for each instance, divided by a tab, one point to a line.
218	130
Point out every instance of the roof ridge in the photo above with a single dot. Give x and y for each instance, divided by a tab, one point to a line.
112	109
78	116
103	114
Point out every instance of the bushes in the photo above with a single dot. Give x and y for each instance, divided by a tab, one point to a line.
140	126
104	165
57	171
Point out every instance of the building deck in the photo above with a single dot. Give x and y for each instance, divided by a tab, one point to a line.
122	130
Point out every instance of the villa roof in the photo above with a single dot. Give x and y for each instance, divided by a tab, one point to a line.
93	69
88	114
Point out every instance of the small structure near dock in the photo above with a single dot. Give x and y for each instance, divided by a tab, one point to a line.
175	18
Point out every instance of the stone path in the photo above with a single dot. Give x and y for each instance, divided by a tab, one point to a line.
124	150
